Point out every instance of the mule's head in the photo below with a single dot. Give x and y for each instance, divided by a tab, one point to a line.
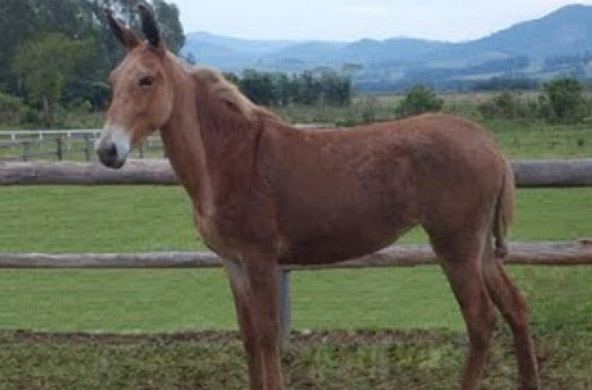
142	93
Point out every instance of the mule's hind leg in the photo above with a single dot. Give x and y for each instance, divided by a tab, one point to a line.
512	305
461	260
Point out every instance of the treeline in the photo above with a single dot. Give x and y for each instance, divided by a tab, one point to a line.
308	88
561	100
56	55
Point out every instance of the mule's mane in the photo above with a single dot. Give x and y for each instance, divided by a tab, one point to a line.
228	93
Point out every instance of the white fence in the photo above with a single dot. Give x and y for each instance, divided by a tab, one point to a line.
52	145
14	135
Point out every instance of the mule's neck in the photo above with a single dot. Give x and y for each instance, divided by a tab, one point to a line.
182	139
207	143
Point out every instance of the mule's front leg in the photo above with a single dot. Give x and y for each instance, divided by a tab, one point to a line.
262	273
241	292
254	286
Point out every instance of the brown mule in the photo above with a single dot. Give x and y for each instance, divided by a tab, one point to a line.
267	194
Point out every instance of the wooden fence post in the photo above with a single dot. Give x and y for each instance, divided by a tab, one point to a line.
285	309
26	150
59	151
87	147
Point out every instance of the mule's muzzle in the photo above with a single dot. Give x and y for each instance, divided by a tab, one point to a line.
113	147
108	155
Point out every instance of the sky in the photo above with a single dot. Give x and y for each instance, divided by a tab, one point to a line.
348	20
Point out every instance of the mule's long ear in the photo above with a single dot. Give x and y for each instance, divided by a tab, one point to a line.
149	26
123	34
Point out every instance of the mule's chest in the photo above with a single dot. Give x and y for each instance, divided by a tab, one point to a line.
214	236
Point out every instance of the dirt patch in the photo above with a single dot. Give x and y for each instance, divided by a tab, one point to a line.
317	360
300	338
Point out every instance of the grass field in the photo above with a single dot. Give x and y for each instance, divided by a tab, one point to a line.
145	218
121	218
328	361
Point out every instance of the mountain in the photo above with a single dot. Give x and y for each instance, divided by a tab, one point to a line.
563	32
559	43
229	54
241	45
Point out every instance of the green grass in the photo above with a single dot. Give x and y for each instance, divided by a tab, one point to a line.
96	219
526	138
537	139
336	361
175	300
134	218
148	218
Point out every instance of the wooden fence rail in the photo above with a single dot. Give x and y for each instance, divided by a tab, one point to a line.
521	253
529	173
539	253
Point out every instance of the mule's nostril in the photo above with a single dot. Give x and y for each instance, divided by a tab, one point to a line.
111	151
109	157
113	147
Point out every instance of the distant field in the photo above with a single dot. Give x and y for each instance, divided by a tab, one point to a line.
519	138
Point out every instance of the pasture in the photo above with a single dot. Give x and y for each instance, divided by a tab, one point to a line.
133	218
366	360
126	219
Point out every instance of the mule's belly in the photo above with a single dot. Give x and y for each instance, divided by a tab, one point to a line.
338	245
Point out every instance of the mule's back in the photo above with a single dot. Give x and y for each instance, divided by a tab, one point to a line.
343	193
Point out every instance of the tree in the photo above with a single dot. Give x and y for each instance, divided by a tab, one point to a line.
45	65
307	88
282	89
80	19
506	105
419	99
335	89
564	100
165	12
258	86
167	16
17	26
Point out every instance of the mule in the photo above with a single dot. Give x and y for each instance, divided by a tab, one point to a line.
266	194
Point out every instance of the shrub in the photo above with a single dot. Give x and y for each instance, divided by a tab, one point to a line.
563	101
419	99
508	105
12	109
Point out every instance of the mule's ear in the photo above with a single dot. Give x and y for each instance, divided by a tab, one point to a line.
149	26
123	34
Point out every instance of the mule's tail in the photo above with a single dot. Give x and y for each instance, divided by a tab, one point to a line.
504	212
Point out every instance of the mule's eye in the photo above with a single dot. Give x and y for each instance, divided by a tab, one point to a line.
146	81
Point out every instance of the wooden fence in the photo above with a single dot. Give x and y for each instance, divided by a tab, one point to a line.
528	173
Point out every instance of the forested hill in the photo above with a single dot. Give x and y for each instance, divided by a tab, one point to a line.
59	52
